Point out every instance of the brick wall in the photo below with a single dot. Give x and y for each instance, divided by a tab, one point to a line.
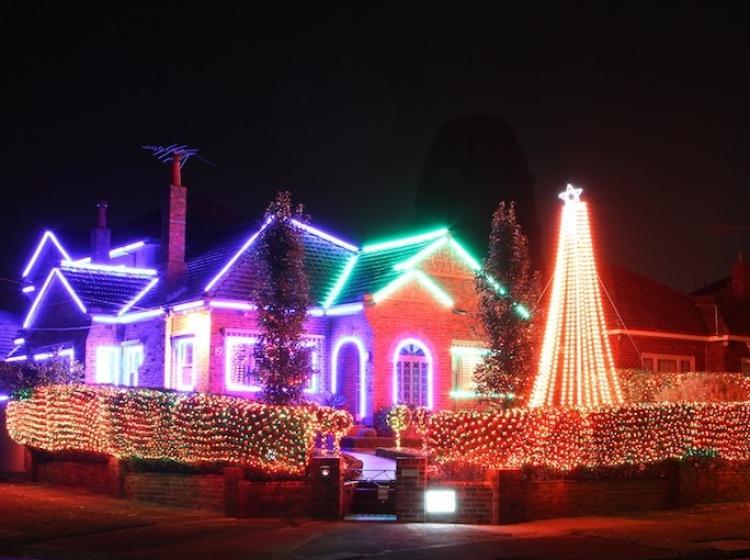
91	476
151	334
203	492
412	312
275	499
474	502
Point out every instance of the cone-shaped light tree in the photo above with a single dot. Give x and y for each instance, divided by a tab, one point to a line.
575	366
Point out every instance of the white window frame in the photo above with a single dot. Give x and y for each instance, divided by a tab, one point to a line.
399	375
179	343
317	359
231	341
672	357
107	355
132	359
461	352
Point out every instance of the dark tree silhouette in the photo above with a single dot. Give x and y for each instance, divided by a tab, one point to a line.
473	162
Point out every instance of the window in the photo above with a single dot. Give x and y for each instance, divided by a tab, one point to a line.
240	374
315	344
119	365
132	360
464	360
240	363
668	363
107	364
184	363
412	373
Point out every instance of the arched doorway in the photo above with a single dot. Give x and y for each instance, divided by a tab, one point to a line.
348	374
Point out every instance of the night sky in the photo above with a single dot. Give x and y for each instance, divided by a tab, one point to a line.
647	110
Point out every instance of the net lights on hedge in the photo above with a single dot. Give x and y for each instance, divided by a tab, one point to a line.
189	428
576	366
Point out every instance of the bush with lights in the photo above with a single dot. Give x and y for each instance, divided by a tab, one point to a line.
398	419
163	425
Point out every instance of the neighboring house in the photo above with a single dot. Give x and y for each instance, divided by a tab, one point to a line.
389	322
658	328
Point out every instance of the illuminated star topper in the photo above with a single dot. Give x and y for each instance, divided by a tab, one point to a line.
571	194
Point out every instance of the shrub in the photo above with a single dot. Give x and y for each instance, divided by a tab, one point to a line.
168	426
17	376
648	386
568	438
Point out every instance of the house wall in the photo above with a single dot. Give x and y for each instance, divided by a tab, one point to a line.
151	335
413	312
358	326
626	350
223	320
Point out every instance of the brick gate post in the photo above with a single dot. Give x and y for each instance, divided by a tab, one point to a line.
411	482
327	487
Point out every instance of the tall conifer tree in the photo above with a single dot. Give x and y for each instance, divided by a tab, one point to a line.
508	290
281	296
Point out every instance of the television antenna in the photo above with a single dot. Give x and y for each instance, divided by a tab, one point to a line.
176	155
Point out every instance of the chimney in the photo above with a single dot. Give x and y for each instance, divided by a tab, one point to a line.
100	235
174	216
741	279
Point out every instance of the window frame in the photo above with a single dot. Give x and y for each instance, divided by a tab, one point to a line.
677	358
232	340
178	344
459	352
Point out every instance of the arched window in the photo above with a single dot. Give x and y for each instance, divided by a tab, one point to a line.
412	375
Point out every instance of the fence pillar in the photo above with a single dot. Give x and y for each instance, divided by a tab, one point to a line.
233	500
327	487
510	496
411	482
116	477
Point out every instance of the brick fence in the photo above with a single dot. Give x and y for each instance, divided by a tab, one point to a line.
319	495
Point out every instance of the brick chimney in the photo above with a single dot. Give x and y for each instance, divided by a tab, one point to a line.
101	235
741	279
174	217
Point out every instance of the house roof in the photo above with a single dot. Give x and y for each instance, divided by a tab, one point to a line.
375	266
644	304
324	262
107	291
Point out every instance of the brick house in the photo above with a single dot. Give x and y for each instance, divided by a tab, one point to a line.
655	327
391	321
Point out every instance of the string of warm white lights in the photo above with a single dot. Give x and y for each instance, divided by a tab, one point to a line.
566	438
576	366
189	428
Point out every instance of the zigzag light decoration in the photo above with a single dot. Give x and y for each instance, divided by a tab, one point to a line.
576	366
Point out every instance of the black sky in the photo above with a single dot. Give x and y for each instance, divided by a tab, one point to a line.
648	109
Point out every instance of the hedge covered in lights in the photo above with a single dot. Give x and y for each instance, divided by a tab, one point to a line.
189	428
567	438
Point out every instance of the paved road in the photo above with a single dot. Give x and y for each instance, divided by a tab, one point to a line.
41	522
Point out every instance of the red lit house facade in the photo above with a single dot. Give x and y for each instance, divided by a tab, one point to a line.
390	321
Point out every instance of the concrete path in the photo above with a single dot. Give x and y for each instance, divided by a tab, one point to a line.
379	469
